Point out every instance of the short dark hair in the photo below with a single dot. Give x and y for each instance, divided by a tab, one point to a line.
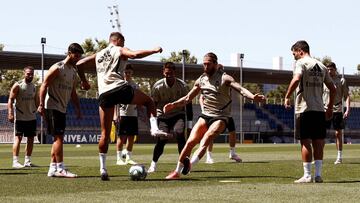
331	65
129	67
29	68
117	35
75	48
301	45
212	56
170	65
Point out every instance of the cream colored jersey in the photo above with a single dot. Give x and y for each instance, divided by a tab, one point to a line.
59	91
309	93
162	94
342	91
216	94
129	109
109	67
25	101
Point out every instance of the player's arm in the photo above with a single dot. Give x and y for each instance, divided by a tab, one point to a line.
243	91
13	93
75	101
330	85
139	53
185	99
347	100
49	78
292	86
85	64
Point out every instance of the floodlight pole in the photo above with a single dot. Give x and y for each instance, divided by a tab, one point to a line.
241	98
43	42
183	78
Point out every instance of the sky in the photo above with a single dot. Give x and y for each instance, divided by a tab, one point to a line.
261	29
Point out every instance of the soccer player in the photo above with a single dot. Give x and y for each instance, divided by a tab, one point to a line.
214	85
113	89
337	121
55	92
23	93
308	78
126	124
164	91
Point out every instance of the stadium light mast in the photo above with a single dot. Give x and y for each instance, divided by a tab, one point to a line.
115	19
43	42
241	98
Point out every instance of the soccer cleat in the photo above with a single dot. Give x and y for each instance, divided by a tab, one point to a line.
173	176
338	161
235	157
51	172
151	169
17	165
209	160
304	179
318	179
159	133
130	161
104	175
64	173
187	166
120	162
29	164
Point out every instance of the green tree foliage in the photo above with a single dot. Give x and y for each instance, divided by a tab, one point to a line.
9	77
278	93
177	57
1	47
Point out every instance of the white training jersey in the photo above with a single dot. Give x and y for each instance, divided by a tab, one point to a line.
25	101
342	91
162	94
59	91
109	67
129	109
309	93
216	94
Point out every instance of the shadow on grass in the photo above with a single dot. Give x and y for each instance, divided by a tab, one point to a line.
343	181
242	177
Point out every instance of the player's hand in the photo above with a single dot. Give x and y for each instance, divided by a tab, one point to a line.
259	98
11	118
158	50
287	103
346	114
328	114
168	107
41	110
85	85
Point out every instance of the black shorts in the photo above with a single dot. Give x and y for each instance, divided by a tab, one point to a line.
231	125
128	125
174	124
121	95
25	128
310	125
337	121
210	120
56	122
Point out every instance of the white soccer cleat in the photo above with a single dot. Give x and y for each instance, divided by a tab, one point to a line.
120	162
51	172
64	173
159	133
17	165
151	169
209	160
130	161
304	179
318	179
338	161
235	157
29	164
104	175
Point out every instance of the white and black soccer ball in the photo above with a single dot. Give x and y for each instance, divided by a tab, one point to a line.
137	172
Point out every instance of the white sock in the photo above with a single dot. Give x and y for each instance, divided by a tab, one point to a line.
102	157
27	159
179	167
15	158
307	169
318	167
60	165
52	166
118	155
153	164
339	155
128	155
232	151
154	124
208	155
194	160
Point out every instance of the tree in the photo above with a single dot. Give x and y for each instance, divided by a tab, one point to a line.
358	67
177	57
278	93
1	47
9	77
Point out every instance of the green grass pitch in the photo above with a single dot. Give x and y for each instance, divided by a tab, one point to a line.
266	175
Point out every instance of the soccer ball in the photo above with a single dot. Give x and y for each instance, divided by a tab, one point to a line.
137	172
